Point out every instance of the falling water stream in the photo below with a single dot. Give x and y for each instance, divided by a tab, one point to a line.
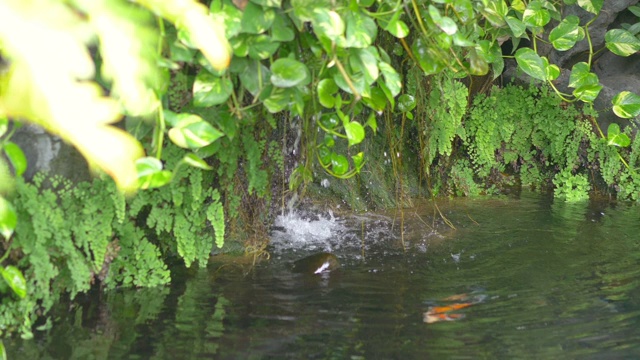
524	277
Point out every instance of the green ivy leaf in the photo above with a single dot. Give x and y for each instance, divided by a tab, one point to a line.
406	103
324	153
397	27
254	76
427	57
518	28
194	134
327	88
361	30
445	23
14	278
339	164
564	36
257	19
286	72
621	42
377	101
366	61
281	30
391	78
531	63
150	173
592	6
358	160
328	23
261	47
372	122
635	10
477	63
626	105
552	70
587	92
278	100
581	76
8	218
616	138
328	141
210	90
355	132
535	15
16	157
495	12
195	161
230	15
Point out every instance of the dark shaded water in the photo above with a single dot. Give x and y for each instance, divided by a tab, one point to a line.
556	280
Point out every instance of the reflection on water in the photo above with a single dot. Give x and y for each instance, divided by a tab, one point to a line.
555	280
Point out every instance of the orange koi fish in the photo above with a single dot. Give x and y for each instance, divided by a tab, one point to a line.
445	313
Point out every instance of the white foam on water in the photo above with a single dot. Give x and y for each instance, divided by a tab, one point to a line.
295	231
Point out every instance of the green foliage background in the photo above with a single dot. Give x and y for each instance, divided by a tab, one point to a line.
369	95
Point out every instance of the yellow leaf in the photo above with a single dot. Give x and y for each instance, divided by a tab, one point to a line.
48	83
206	34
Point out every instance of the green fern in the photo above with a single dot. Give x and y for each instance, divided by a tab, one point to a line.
447	106
215	214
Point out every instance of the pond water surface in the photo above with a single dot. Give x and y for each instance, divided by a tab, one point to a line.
525	277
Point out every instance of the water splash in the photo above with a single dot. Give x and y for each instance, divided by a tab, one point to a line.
297	231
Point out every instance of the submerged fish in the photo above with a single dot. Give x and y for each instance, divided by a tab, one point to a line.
445	313
316	264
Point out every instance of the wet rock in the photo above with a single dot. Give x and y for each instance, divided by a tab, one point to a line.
316	264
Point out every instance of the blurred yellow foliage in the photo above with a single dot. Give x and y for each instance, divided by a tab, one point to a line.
51	75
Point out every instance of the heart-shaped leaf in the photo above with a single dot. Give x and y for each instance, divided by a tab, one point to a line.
531	63
397	27
495	12
581	76
587	93
286	72
406	102
626	105
257	19
210	90
327	88
616	138
361	30
358	160
339	164
445	23
391	78
621	42
355	132
564	36
150	173
328	23
592	6
535	15
194	135
518	28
